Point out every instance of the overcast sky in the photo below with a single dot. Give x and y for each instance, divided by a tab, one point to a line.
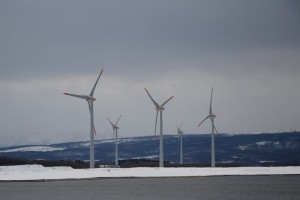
249	51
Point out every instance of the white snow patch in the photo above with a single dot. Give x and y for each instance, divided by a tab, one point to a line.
132	140
244	147
270	145
226	161
33	148
263	143
87	144
38	172
146	157
120	140
266	161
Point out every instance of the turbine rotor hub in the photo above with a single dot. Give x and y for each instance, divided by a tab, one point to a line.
212	115
90	99
160	108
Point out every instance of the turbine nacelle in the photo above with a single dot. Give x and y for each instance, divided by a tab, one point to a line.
180	132
211	115
115	127
90	99
159	108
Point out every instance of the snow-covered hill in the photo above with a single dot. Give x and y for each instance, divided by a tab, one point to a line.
245	149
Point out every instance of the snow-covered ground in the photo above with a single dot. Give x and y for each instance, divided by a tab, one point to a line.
33	148
38	172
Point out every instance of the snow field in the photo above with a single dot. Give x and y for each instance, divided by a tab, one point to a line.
38	172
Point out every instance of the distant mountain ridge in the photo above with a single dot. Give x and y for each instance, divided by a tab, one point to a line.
244	149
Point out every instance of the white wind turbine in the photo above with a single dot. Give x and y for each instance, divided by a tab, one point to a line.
115	137
90	100
180	133
211	116
159	108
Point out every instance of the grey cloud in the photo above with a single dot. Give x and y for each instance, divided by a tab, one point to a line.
57	37
179	48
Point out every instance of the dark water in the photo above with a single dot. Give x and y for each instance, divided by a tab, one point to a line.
226	187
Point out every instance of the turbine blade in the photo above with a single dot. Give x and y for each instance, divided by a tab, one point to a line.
94	129
177	128
155	123
118	120
167	101
89	104
110	122
78	96
210	109
216	129
91	108
113	140
181	125
93	118
92	91
154	102
203	120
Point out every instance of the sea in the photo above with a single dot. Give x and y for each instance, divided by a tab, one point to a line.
281	187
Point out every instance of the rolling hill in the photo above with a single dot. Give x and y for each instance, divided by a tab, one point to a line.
240	149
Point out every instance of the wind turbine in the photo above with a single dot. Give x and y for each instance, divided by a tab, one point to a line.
90	100
180	132
115	133
159	108
211	116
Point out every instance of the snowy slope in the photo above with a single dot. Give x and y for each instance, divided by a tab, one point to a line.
33	149
244	149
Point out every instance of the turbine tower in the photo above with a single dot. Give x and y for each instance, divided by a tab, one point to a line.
211	116
115	137
90	100
180	132
159	108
